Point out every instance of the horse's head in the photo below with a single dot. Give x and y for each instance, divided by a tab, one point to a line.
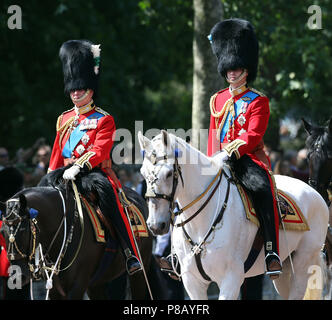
319	145
161	171
17	231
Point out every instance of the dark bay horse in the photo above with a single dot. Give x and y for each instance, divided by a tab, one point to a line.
36	216
319	145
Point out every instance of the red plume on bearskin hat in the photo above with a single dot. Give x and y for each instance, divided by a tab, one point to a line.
235	45
80	63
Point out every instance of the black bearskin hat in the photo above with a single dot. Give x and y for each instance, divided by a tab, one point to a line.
235	45
80	63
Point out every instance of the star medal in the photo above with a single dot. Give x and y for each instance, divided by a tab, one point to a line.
241	120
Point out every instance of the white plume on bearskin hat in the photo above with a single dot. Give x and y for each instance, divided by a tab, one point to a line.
235	45
80	63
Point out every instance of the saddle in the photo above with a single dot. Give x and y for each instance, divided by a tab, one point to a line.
111	238
290	214
99	221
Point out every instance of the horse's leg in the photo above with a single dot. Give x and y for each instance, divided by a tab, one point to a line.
196	288
303	261
230	284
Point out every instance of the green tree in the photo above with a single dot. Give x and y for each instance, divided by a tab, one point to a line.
295	61
146	61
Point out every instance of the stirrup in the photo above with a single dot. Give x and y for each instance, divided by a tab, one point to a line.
172	268
274	274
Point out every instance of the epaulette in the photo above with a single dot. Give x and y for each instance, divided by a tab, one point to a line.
220	91
213	111
258	92
100	110
59	124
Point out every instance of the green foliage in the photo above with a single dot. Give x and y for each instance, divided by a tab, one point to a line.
146	62
146	48
295	61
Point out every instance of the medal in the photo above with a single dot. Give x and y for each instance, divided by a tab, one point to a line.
242	131
241	120
244	107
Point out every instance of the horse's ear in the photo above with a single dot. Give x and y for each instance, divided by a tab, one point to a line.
23	201
166	138
330	126
307	126
143	141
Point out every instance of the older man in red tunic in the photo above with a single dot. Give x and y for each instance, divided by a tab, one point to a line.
239	119
85	133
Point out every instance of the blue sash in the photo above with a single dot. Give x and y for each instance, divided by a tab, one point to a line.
76	136
248	98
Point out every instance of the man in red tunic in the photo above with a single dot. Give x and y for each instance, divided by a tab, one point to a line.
85	133
239	119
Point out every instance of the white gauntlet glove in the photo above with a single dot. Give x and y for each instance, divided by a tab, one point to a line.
70	173
223	156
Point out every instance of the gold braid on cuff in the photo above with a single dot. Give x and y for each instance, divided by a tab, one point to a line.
85	160
233	147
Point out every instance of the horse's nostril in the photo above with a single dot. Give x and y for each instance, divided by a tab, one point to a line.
162	226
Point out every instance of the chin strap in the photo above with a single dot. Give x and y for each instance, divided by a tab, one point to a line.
239	78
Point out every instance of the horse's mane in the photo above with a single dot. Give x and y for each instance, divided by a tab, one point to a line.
188	147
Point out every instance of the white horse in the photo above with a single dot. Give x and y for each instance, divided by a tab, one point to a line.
175	171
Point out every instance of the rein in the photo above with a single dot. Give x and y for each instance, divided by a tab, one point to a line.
178	173
181	224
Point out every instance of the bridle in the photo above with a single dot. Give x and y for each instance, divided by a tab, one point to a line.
152	178
317	148
14	221
37	261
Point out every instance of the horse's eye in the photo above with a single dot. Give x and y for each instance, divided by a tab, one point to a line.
169	174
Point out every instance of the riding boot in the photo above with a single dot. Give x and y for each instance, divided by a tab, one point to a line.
256	181
263	203
132	262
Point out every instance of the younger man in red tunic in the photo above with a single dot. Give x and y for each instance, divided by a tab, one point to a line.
85	133
239	119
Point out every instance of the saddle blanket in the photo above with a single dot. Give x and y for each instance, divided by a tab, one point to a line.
136	218
291	214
